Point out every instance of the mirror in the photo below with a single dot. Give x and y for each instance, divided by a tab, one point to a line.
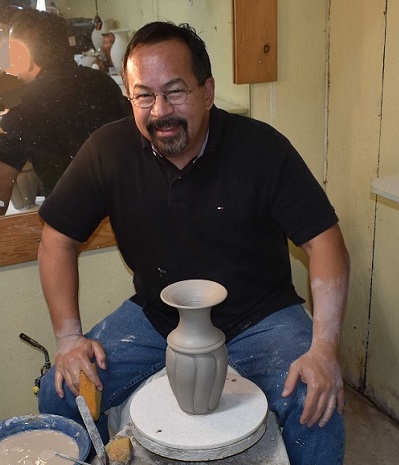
20	233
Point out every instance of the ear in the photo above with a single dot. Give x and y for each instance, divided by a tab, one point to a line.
209	92
30	74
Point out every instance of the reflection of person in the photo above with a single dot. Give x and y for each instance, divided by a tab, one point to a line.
195	192
61	105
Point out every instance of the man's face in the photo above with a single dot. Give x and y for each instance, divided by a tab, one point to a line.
176	131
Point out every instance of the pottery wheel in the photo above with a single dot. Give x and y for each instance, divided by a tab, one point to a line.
162	427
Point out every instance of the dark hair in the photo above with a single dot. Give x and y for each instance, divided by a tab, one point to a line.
159	31
45	35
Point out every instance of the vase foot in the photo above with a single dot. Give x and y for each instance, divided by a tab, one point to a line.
162	427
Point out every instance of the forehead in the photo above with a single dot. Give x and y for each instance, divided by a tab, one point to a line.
159	63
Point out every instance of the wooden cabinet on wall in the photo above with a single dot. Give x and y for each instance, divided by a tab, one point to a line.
255	41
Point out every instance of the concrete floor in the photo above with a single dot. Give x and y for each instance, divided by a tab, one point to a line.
371	437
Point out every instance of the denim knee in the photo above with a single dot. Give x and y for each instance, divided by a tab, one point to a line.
315	445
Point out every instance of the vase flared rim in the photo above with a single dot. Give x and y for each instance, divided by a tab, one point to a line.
189	294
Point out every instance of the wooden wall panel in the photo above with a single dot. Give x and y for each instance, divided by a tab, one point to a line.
255	41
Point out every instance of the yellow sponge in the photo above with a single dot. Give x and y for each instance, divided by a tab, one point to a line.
119	449
92	396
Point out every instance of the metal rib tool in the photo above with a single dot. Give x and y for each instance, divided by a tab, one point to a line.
72	459
92	430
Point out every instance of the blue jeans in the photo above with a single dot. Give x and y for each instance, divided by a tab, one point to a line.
261	353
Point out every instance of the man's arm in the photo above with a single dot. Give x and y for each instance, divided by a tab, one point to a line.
8	176
58	266
319	368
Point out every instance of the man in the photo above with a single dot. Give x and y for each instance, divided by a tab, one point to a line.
61	104
195	192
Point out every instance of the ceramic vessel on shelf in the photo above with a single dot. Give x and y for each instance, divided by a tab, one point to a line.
107	41
196	356
118	47
96	36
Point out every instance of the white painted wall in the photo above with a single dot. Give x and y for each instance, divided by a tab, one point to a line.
357	35
363	140
382	380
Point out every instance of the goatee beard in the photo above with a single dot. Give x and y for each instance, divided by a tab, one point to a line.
173	145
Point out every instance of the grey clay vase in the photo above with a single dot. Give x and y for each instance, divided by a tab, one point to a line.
196	356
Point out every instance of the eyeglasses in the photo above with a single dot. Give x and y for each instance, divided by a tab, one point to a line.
174	97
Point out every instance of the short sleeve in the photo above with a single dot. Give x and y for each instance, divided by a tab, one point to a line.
298	202
76	206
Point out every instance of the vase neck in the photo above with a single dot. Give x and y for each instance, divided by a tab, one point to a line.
195	331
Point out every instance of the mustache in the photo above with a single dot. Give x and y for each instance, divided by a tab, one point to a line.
168	121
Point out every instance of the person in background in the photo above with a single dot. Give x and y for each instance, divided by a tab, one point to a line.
61	105
194	192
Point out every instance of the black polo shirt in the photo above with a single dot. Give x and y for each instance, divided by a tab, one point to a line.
225	217
59	110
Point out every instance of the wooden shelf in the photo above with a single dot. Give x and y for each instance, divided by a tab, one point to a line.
20	237
386	186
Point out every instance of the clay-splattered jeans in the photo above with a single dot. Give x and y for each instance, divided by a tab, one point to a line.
262	353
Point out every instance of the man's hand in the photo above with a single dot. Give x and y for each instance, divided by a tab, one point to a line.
325	392
319	368
74	355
